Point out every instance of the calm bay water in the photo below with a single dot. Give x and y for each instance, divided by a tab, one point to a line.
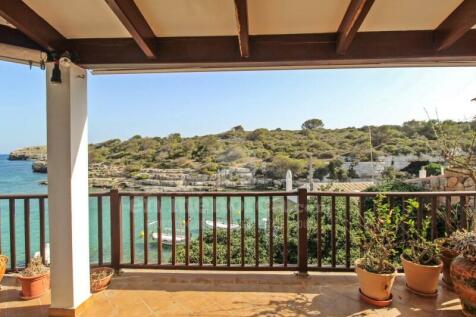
16	177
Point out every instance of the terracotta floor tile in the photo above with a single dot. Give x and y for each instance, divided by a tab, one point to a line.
199	294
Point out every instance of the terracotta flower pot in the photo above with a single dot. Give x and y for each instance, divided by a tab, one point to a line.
463	273
34	286
422	279
447	256
99	284
376	287
3	265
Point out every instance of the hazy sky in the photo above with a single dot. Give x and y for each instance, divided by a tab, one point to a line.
121	106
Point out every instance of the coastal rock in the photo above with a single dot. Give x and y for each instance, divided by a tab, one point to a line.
39	167
37	153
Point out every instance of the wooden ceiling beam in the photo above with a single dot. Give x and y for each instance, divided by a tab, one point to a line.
353	19
241	10
18	14
11	36
133	20
273	51
457	24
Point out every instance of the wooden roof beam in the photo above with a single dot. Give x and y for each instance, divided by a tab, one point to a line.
353	19
404	48
14	37
242	24
460	21
133	20
17	13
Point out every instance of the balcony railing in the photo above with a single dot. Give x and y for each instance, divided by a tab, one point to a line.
299	230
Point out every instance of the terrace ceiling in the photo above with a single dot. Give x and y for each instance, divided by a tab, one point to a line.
174	35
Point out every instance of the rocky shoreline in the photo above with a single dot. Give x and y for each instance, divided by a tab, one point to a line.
107	176
37	154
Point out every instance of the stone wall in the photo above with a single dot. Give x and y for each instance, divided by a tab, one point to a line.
367	170
450	181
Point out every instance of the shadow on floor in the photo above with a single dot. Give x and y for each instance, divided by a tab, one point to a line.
25	311
321	294
222	282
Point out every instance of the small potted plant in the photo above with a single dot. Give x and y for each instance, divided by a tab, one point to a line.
448	244
375	270
420	257
463	273
100	278
449	251
34	279
3	265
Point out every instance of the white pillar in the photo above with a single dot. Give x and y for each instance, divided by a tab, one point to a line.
67	122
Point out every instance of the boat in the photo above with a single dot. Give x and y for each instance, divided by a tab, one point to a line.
222	225
166	235
167	238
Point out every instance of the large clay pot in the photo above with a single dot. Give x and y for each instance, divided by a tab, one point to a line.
376	287
463	273
3	265
447	256
34	286
422	279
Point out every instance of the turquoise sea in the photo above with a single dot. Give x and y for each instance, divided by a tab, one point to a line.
16	177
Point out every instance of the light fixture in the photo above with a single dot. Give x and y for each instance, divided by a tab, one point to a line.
65	59
56	74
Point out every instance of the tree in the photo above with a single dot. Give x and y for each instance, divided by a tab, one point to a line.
334	167
238	128
389	173
351	171
342	175
433	169
281	164
312	124
321	172
458	149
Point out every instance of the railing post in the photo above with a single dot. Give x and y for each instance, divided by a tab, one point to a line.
116	227
302	233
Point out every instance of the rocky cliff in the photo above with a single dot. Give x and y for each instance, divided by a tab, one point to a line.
34	153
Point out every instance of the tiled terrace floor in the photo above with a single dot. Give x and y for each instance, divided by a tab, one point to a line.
170	293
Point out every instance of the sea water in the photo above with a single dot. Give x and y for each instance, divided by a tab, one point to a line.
16	177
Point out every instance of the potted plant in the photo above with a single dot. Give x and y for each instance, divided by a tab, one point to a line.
375	270
463	273
448	244
449	251
420	257
34	279
3	266
100	278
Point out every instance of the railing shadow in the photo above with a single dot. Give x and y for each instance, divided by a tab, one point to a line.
12	305
34	310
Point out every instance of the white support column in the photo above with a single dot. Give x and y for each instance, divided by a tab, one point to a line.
68	200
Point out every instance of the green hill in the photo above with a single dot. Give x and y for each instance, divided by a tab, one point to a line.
271	152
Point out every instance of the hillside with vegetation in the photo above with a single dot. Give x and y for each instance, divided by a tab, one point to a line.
271	152
266	153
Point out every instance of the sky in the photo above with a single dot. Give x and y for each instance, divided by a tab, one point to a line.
121	106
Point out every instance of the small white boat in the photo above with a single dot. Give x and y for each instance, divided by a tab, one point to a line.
167	238
222	225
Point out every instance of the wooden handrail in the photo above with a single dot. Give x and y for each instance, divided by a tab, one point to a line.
300	206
